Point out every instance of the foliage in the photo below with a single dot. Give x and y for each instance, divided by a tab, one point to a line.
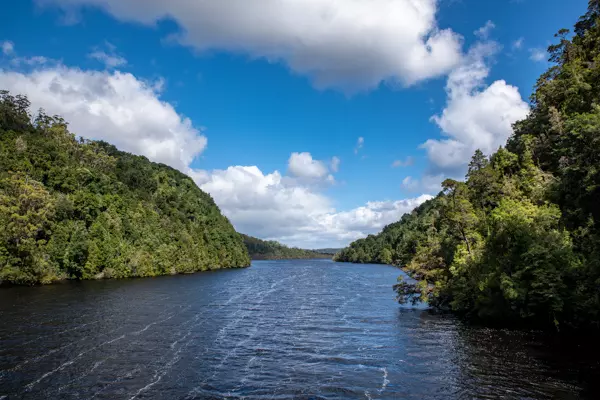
519	240
77	209
329	250
272	250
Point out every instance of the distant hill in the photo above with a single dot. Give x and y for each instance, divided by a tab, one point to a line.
328	251
80	209
272	250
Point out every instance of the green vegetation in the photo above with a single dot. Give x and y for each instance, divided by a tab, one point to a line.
272	250
329	251
519	240
78	209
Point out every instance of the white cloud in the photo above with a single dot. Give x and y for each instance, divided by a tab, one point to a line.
31	61
409	183
335	164
359	144
351	45
476	116
538	55
518	44
265	205
116	107
427	184
484	32
407	162
109	60
8	47
302	165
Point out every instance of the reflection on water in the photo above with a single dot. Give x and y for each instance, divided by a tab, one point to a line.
281	329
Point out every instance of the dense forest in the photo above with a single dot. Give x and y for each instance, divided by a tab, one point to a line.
272	250
77	209
329	250
518	240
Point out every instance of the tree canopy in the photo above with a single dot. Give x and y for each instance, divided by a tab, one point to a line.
519	239
78	209
272	250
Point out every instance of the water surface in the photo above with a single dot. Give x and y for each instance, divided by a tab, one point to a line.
306	329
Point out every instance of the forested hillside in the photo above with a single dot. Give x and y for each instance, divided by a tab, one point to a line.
519	240
78	209
272	250
331	251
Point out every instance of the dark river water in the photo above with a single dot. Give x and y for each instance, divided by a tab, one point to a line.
279	330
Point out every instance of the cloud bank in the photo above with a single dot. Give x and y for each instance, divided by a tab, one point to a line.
112	106
351	45
264	205
476	116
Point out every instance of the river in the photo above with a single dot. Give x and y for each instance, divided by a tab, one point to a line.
305	329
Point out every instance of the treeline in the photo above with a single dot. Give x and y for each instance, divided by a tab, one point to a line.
272	250
77	209
331	251
519	240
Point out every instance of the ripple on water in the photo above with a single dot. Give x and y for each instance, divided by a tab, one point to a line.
279	330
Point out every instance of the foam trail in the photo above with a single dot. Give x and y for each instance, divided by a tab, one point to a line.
152	324
166	368
96	365
117	380
116	339
38	358
70	362
30	386
254	331
80	377
179	340
192	321
42	337
385	380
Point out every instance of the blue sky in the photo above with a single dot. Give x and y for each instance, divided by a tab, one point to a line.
255	99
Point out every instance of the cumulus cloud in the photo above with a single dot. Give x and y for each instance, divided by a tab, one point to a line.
265	205
518	44
409	183
359	144
32	61
112	106
109	60
302	165
109	57
351	45
484	32
407	162
335	164
476	116
538	55
8	47
427	184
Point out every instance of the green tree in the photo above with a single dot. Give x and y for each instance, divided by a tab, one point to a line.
519	241
80	209
26	209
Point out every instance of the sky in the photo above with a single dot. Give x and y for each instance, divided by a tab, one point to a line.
311	122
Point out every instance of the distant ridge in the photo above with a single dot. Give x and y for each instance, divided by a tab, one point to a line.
331	251
271	250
